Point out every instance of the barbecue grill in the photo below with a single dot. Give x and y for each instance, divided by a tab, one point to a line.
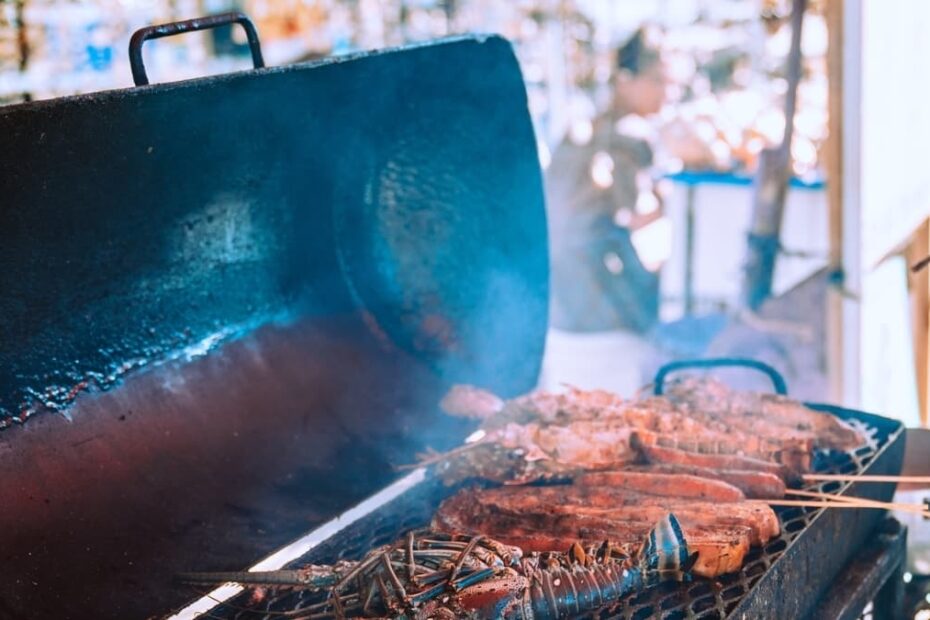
231	305
791	577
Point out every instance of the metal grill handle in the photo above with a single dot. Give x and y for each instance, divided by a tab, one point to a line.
191	25
720	362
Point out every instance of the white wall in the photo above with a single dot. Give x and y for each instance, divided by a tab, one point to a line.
722	214
886	194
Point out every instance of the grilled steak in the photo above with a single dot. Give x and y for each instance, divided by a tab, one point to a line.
625	505
553	518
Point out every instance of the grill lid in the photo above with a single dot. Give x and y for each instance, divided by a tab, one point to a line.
405	183
366	229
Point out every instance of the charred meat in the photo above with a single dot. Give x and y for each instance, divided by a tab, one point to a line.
718	524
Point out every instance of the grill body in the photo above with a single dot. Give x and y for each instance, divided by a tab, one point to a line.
785	579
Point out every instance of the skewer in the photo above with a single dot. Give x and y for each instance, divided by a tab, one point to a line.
432	459
823	504
803	503
855	478
861	501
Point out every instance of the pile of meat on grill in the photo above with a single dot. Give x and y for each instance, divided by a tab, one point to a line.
584	467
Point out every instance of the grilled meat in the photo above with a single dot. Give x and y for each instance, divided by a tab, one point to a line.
518	453
546	436
719	550
795	455
626	505
671	456
753	484
549	518
699	453
666	484
753	412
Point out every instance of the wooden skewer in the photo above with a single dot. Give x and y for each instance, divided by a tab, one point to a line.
831	497
821	504
803	503
861	501
855	478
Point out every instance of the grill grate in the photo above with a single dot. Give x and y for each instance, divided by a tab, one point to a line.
700	599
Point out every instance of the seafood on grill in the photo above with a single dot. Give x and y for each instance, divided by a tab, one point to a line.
754	411
702	424
445	576
718	523
521	453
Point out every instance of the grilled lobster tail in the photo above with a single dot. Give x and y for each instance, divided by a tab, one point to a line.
665	552
548	586
434	575
566	591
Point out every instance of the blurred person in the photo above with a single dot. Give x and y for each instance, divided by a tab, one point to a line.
599	192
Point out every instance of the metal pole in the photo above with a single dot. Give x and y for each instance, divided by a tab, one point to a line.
772	184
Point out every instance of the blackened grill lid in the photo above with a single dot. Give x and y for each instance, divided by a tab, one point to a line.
403	184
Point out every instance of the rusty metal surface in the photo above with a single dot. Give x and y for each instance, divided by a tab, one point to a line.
404	184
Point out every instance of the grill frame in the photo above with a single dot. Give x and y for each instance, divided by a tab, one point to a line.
786	579
795	582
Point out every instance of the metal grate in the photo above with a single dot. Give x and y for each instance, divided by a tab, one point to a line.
699	599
